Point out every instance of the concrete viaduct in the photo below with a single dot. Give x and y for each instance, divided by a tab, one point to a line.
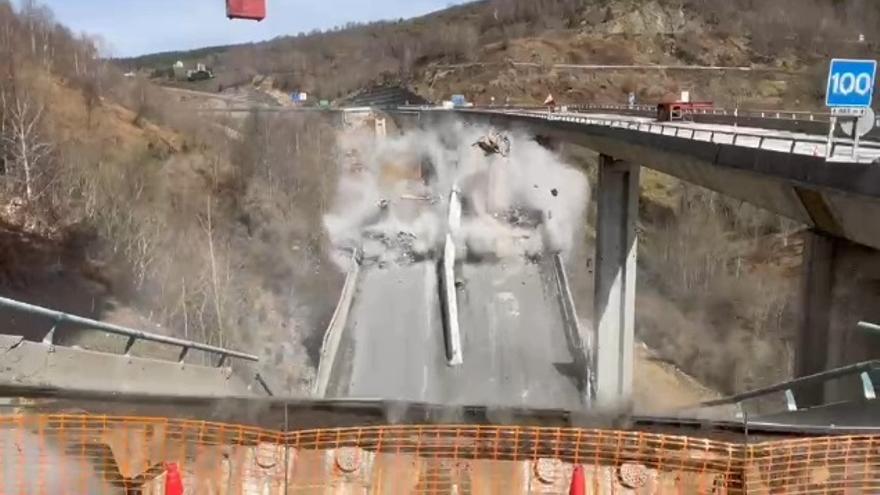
784	171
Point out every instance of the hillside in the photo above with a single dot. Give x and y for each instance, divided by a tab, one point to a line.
118	205
162	228
478	49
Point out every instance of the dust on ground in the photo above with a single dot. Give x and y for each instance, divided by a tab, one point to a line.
660	387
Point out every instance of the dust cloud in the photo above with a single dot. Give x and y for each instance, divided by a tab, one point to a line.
394	193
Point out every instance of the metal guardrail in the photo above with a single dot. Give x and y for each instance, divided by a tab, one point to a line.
333	334
862	370
582	351
872	327
133	335
649	67
651	110
647	109
767	114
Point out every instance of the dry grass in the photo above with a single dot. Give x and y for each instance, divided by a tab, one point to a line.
156	219
718	285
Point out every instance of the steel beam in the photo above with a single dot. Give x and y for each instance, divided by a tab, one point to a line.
615	285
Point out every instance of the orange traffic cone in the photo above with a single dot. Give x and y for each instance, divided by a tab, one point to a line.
578	483
173	481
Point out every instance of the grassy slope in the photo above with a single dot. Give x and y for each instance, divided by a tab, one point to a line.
43	260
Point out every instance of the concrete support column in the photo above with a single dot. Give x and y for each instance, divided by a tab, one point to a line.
840	288
615	290
812	353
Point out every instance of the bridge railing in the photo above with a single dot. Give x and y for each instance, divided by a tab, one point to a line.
864	372
62	319
767	114
333	335
651	110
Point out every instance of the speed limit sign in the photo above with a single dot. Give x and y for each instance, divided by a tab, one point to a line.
851	83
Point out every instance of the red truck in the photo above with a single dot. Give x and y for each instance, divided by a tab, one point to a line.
679	110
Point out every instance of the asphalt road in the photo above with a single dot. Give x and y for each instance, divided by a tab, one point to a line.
394	338
513	337
515	347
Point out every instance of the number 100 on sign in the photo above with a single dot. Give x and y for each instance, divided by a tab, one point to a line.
851	83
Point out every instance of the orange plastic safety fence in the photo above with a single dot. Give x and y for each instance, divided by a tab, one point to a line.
79	454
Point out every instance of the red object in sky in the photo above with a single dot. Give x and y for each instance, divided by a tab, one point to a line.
578	483
246	9
173	481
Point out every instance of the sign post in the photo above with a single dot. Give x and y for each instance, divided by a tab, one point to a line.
850	92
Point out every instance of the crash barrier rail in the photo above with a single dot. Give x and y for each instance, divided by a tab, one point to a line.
62	319
803	145
80	454
333	335
651	110
872	327
796	116
582	351
766	114
862	371
593	107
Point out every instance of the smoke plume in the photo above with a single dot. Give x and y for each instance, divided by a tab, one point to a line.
394	193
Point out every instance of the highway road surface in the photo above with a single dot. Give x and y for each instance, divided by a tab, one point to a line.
514	338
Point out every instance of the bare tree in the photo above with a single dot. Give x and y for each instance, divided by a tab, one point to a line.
23	140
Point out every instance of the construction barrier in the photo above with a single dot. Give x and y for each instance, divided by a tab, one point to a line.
87	454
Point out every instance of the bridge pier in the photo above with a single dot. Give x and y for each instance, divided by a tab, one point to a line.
840	288
615	284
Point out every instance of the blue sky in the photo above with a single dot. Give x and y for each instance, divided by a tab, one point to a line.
134	27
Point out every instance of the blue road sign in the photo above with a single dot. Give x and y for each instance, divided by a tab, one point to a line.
851	83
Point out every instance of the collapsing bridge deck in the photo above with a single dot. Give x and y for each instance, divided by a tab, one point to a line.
518	346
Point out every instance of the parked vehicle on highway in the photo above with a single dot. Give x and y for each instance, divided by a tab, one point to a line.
680	110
